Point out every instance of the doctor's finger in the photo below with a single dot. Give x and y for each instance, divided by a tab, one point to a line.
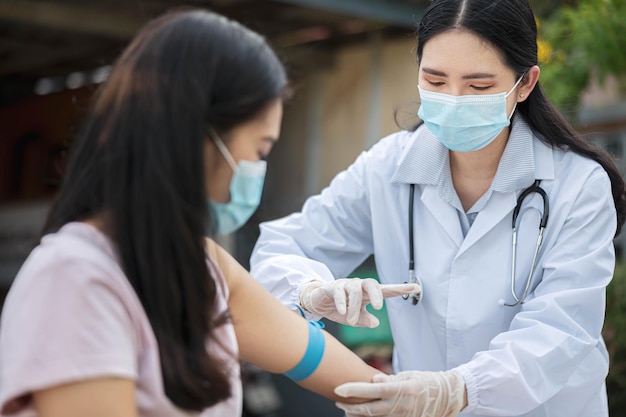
383	378
374	293
374	408
355	300
368	390
353	415
367	319
348	413
339	297
394	290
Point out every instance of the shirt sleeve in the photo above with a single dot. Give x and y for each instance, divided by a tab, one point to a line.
63	321
557	332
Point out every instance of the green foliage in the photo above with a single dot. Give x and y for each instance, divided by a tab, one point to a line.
542	8
586	40
615	337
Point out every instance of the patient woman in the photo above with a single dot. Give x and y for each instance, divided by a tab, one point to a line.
125	308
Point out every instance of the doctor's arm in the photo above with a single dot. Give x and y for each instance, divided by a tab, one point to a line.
275	338
297	258
329	238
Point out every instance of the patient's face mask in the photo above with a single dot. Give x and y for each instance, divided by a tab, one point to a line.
465	123
246	187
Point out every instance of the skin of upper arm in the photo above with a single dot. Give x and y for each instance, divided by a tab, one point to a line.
274	338
102	397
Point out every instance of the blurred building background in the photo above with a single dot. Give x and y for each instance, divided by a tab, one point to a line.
353	67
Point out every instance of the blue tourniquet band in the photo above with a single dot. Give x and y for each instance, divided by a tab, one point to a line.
313	355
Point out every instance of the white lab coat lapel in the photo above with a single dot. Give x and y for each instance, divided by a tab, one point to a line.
500	205
445	214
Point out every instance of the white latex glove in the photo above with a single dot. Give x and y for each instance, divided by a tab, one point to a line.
344	300
407	394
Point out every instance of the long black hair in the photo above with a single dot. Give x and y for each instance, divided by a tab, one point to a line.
509	26
139	162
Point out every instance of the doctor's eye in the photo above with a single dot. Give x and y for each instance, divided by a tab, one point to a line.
480	88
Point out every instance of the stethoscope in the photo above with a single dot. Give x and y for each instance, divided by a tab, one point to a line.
534	188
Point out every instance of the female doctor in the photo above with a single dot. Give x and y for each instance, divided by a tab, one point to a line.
503	213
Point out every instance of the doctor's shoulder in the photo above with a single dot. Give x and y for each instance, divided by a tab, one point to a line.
578	182
391	148
572	167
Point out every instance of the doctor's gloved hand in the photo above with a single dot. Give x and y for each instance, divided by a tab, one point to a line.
344	300
407	394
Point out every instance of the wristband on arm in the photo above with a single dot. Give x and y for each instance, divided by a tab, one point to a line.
313	355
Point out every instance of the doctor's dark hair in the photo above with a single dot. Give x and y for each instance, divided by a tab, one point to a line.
509	26
138	165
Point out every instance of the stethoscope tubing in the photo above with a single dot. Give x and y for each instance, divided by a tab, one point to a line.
413	278
534	188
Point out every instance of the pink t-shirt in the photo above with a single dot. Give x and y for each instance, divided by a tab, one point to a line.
71	315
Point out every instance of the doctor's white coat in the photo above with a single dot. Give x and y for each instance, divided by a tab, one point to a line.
545	357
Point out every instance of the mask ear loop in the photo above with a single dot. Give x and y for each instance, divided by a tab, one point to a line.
519	80
511	90
222	148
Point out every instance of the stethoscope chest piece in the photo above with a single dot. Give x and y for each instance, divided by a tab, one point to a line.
414	279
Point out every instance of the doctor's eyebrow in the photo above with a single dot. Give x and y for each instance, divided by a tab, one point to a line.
471	76
478	75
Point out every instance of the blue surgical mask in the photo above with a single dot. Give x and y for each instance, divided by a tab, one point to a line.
465	123
246	187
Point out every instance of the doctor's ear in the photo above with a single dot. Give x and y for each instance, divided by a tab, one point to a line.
528	83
